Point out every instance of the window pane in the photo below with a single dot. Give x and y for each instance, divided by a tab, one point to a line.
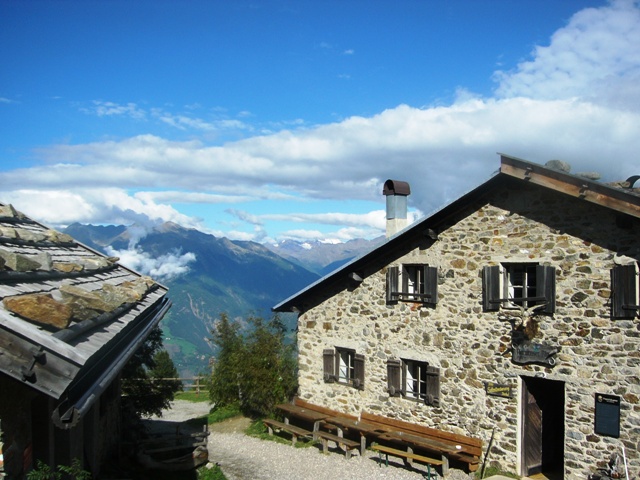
416	379
345	369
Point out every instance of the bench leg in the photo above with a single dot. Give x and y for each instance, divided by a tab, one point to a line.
363	445
325	445
294	439
270	430
409	461
445	465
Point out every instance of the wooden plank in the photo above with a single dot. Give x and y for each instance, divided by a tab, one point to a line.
468	443
333	413
606	196
401	453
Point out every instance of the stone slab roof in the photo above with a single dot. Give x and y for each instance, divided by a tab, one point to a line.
70	317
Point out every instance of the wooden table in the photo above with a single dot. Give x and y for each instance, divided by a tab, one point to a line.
289	410
346	424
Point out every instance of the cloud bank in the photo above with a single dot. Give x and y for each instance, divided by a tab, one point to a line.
576	99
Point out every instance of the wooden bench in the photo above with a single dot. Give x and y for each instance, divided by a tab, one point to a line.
345	443
450	446
292	429
406	456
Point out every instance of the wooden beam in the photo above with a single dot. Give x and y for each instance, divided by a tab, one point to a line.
599	194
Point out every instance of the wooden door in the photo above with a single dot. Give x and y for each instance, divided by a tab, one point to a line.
531	432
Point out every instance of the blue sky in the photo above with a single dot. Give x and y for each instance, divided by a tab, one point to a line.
265	120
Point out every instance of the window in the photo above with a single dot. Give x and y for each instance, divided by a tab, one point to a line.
519	285
414	380
343	365
624	291
419	283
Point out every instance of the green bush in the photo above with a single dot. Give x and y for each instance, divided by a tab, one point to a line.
253	371
45	472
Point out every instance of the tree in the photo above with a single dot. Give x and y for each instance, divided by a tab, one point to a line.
224	388
151	361
254	371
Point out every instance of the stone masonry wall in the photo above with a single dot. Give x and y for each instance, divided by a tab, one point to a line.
472	347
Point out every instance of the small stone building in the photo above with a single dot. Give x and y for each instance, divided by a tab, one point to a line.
510	315
70	319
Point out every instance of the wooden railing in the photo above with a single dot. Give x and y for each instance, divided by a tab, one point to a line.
197	384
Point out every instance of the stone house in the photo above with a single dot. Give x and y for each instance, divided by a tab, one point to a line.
70	319
510	315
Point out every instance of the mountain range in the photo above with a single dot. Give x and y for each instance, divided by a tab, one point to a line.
208	276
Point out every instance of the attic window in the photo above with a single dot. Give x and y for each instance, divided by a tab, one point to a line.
519	285
625	291
412	283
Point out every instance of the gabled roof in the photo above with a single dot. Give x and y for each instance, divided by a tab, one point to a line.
621	198
70	318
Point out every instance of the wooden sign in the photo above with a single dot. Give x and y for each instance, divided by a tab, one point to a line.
529	352
499	390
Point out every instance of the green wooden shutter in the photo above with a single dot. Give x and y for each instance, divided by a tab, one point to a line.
491	288
392	284
433	387
394	377
358	371
431	284
546	286
329	365
623	291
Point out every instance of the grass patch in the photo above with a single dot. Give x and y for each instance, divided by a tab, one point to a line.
191	396
223	413
214	473
258	429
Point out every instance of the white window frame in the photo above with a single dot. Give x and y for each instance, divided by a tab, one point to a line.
414	375
515	288
346	368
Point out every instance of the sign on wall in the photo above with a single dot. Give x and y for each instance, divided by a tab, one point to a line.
607	419
499	390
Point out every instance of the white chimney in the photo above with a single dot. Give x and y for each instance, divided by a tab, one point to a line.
396	193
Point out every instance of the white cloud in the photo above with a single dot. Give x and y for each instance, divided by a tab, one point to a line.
576	99
595	57
108	109
164	267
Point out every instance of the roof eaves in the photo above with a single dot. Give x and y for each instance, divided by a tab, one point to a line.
618	199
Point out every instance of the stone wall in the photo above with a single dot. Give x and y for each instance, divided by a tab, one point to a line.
471	347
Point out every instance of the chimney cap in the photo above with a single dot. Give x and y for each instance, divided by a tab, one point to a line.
396	187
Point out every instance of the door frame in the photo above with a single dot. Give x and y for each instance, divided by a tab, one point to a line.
552	396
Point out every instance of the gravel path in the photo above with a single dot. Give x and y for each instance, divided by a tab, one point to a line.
246	458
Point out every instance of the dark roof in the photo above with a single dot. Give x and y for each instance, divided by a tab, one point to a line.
619	197
70	317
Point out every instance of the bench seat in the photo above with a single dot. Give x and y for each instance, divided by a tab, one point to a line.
347	444
292	429
450	445
406	456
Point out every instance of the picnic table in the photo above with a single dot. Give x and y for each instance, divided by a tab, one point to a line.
312	416
345	424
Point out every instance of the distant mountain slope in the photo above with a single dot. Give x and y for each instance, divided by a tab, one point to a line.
206	276
322	257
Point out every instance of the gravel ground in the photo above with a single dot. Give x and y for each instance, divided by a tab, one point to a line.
246	458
